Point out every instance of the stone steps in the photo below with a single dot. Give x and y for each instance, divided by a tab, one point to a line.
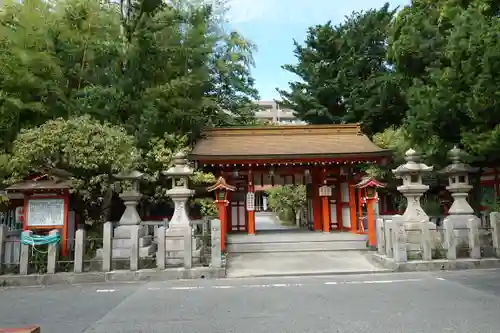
295	242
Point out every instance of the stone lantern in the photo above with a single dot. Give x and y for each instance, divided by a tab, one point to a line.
179	226
131	197
180	192
413	188
458	185
121	245
458	182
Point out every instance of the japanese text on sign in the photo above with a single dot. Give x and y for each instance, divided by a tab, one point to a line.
45	212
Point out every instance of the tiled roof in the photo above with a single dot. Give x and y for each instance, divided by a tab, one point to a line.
28	185
285	141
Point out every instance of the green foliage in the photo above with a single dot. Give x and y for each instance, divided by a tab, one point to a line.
80	145
208	208
451	50
287	200
344	75
89	150
425	77
96	88
150	67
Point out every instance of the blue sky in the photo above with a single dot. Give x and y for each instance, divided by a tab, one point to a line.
273	24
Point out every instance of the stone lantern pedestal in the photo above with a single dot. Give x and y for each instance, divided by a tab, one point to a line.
460	211
413	189
179	226
121	242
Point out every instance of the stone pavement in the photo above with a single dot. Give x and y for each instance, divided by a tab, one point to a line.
268	221
300	263
458	302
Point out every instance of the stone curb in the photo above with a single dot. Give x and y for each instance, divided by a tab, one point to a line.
113	276
436	265
326	273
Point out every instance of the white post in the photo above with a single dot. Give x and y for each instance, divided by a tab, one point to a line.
134	248
25	255
107	240
188	247
388	235
216	260
3	237
450	239
79	250
425	241
495	232
400	240
379	222
53	254
161	259
474	243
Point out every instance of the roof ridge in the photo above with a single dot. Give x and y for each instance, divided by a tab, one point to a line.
352	129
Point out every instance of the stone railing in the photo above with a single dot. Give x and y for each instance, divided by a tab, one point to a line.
23	259
449	246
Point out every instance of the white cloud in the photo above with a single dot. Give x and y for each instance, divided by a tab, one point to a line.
298	11
242	11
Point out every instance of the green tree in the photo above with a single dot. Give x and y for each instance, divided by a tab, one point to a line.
450	50
90	151
287	200
148	66
344	76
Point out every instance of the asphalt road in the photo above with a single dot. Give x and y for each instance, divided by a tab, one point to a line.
467	301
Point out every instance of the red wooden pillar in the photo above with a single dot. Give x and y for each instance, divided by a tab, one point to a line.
360	212
222	189
372	237
222	207
325	203
317	211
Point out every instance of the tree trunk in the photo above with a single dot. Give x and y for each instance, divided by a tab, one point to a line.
297	217
107	202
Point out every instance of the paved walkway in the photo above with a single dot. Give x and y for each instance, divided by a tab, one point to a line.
268	221
299	263
454	302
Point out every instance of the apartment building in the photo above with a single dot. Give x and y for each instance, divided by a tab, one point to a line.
273	112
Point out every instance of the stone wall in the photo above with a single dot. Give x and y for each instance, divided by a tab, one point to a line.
396	244
80	264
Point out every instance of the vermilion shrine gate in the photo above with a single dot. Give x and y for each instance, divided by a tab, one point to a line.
322	157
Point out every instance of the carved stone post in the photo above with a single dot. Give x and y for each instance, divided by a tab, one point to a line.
3	238
495	231
53	254
474	246
450	240
400	240
216	260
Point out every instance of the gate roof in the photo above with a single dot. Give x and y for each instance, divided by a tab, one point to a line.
285	142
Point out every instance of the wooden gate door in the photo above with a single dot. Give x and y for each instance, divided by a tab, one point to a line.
238	214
